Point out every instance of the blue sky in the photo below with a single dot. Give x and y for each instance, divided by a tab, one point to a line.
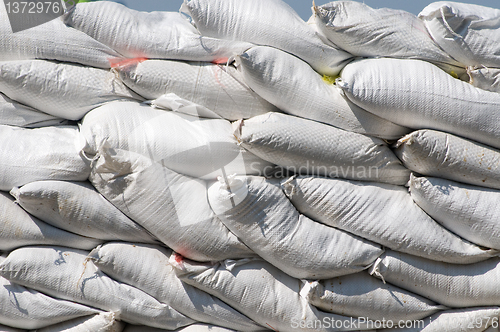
303	7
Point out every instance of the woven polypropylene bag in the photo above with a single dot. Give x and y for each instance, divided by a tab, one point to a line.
308	147
103	322
64	90
295	88
448	156
381	213
453	285
468	211
259	213
68	274
80	209
219	88
147	267
255	22
485	78
156	35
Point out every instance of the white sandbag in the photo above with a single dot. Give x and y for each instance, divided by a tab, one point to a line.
103	322
64	90
173	207
259	213
4	328
263	293
453	285
190	145
80	209
295	88
381	213
219	88
458	320
190	328
67	274
308	147
469	33
447	156
147	267
155	35
40	42
485	78
18	228
361	295
50	153
370	33
25	308
427	98
468	211
255	22
18	115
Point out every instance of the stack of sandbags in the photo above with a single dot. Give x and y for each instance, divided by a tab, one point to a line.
215	170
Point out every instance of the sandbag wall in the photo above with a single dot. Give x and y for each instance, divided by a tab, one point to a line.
233	168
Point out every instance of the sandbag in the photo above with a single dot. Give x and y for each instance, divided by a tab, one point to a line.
453	285
190	145
370	33
103	322
219	88
39	42
18	115
67	274
155	35
307	147
447	156
147	267
361	295
255	22
50	153
469	33
428	99
18	228
381	213
263	293
80	209
26	308
485	78
458	320
295	88
173	207
38	83
257	211
468	211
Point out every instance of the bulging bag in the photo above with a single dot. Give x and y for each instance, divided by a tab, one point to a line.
295	88
68	274
102	322
156	35
468	211
173	207
258	212
49	153
219	88
255	22
370	33
469	33
381	213
38	84
443	155
453	285
307	147
428	99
